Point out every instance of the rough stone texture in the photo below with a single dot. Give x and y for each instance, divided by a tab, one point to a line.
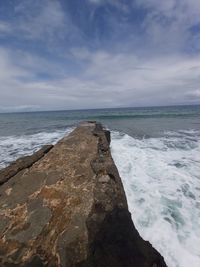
22	163
69	209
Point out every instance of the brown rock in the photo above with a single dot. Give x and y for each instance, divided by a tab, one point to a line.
69	209
22	163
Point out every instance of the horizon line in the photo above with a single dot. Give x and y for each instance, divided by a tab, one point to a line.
133	107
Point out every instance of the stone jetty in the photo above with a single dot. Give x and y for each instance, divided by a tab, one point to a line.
65	206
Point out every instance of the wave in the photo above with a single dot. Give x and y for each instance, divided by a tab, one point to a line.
161	180
13	147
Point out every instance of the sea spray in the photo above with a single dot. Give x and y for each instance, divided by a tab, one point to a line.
158	162
162	183
13	147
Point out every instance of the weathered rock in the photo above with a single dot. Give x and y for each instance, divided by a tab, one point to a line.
22	163
69	209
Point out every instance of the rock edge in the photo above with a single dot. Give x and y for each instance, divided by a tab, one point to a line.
68	208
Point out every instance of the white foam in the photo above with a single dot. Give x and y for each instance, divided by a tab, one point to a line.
13	147
161	177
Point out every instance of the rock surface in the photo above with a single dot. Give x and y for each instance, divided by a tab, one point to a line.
69	209
22	163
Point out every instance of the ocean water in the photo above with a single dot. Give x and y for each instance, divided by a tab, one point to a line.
157	152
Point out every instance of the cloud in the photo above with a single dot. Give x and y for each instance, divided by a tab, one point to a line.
193	95
95	1
146	54
167	24
149	26
36	20
44	20
4	28
108	80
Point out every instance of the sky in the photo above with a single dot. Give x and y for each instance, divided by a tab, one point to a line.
82	54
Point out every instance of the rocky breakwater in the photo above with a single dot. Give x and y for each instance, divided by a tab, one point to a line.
69	209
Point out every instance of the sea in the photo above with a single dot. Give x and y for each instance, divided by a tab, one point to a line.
157	152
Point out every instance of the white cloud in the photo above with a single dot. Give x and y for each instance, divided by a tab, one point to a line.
47	19
168	24
194	95
36	20
141	75
95	1
108	80
4	28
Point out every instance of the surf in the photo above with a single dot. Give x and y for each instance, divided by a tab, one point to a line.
161	181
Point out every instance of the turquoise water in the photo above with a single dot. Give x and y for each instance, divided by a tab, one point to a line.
157	152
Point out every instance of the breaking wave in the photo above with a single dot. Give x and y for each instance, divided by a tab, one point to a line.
13	147
161	177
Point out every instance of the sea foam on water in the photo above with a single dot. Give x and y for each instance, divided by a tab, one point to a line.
13	147
161	177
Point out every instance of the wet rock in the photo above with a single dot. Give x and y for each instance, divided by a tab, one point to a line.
69	209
